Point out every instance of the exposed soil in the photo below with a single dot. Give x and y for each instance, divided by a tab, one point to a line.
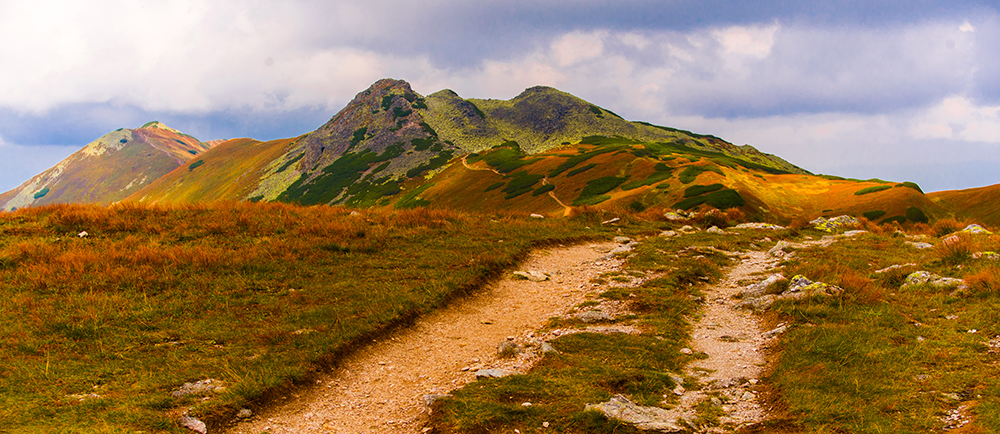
380	388
735	345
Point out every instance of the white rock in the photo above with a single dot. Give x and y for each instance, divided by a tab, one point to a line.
193	424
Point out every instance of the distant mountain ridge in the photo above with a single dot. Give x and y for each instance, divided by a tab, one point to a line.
391	133
110	168
543	151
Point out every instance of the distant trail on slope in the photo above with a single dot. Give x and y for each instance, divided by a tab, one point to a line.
470	167
567	210
379	388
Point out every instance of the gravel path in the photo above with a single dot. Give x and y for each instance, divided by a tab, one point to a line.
379	389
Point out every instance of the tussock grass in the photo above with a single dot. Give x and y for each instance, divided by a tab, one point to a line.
255	295
882	358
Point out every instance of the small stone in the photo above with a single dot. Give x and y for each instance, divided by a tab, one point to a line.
537	216
545	424
193	424
507	349
430	399
493	373
244	413
83	234
548	348
679	390
668	234
686	351
525	404
622	240
534	276
614	220
591	316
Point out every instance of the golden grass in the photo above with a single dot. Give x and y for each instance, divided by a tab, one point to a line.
158	295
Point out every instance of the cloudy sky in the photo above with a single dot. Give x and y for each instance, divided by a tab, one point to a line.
894	89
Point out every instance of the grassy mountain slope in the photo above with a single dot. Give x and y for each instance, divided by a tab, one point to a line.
109	168
229	172
612	172
542	118
389	135
980	204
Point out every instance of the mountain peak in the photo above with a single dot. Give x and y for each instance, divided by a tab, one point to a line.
158	125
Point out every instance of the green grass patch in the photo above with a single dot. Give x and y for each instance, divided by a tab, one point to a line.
494	186
912	185
573	161
434	163
698	190
41	193
580	170
520	183
873	189
690	173
506	158
873	215
662	173
596	188
914	214
412	199
422	144
543	189
196	165
357	137
722	199
334	178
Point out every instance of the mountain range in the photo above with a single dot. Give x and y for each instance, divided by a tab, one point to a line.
544	151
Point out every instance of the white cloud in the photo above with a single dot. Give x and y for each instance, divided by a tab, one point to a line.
958	118
966	27
749	40
574	47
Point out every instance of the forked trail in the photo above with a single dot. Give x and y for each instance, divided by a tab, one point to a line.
379	389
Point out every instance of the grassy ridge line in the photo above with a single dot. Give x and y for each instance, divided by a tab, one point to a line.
254	295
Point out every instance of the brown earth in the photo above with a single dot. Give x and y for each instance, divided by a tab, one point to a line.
380	388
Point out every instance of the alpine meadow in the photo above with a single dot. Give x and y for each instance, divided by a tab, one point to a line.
442	264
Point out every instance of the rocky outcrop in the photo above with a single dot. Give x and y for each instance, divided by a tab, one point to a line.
799	287
836	223
928	278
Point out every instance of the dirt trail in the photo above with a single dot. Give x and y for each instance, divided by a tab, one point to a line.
734	342
471	167
567	210
379	388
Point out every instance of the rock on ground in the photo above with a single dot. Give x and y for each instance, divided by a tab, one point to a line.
925	277
645	418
